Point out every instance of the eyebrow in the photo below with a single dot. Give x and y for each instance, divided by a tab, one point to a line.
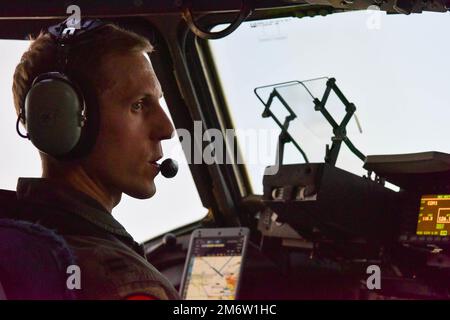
150	96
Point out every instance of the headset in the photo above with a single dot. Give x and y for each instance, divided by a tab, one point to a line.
60	111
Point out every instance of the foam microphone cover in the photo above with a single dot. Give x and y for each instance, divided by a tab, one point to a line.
169	168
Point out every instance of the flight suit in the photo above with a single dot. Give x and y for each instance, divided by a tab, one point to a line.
111	264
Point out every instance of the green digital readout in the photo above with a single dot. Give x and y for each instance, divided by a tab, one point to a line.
434	215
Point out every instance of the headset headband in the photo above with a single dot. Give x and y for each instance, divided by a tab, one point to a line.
67	36
63	31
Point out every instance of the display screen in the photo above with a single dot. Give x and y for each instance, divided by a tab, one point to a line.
214	268
434	215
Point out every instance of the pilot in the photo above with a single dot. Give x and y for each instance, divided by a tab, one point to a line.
123	126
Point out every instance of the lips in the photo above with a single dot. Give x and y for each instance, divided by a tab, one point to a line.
155	162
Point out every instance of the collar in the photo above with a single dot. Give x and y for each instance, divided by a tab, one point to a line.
65	198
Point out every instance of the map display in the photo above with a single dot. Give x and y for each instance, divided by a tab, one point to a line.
214	269
214	278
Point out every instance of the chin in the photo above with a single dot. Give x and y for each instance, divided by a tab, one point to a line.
143	192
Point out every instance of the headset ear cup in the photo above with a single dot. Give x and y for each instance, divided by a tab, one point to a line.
92	125
53	111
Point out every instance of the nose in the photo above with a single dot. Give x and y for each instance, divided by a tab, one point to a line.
165	129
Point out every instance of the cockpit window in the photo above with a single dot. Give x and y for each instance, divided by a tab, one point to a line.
143	219
392	67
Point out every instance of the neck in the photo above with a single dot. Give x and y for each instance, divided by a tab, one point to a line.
77	177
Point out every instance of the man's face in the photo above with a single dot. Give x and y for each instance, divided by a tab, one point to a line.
132	125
